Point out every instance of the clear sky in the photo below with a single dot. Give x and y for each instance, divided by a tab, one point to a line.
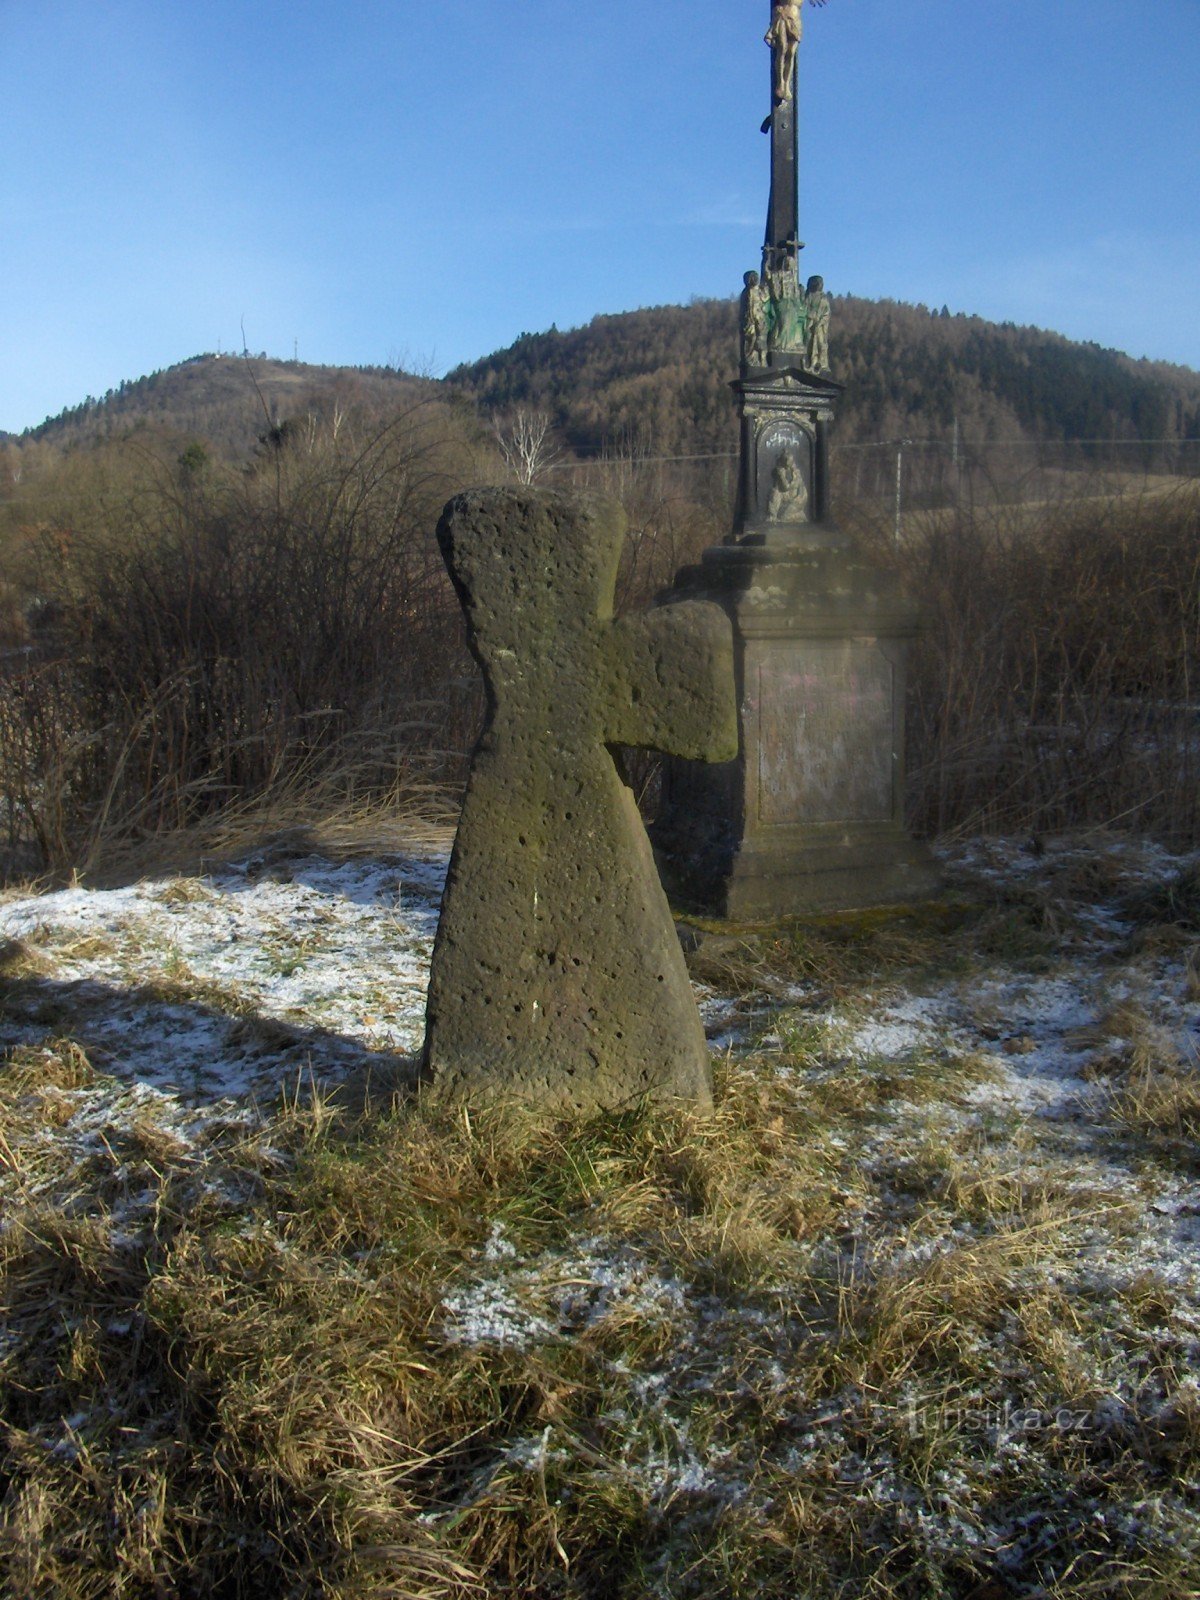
420	181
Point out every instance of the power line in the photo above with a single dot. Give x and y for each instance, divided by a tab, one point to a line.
598	455
603	458
601	455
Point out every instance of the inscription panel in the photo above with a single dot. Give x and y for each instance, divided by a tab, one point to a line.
825	733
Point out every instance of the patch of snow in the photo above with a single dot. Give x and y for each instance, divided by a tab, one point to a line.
337	953
531	1455
901	1029
489	1313
571	1289
498	1247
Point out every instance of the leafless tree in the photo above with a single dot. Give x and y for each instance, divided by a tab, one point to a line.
525	443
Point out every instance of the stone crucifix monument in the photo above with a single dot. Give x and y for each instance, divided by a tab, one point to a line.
809	817
557	973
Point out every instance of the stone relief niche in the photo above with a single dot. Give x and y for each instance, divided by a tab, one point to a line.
784	477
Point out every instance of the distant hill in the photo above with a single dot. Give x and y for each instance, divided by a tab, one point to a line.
661	377
658	379
229	401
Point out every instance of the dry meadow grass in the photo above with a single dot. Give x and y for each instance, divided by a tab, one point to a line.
879	1327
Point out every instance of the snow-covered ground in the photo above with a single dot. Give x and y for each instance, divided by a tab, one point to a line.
161	978
222	991
214	994
197	1001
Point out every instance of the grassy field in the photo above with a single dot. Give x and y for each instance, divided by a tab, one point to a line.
916	1312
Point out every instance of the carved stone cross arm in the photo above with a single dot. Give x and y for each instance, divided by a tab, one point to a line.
671	673
557	975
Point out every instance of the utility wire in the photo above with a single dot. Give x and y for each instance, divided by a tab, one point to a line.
597	455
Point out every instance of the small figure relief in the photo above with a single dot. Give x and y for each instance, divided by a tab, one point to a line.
788	500
788	309
817	308
784	37
755	304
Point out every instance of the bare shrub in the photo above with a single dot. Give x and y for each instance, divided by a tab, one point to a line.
1053	685
240	633
208	638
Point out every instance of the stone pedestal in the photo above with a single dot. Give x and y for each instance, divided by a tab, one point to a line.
810	815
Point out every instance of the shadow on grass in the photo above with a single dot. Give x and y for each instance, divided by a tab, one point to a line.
173	1038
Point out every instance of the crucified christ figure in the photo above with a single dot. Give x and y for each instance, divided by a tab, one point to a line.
783	36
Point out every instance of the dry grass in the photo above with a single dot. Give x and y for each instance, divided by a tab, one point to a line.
846	1337
182	694
313	817
277	638
269	1396
1052	686
1156	1095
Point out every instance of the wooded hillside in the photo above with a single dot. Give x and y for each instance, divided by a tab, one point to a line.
229	401
659	378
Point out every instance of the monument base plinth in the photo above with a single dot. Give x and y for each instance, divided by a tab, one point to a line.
809	817
850	871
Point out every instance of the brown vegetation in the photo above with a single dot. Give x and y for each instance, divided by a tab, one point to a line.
1054	684
184	637
210	640
212	637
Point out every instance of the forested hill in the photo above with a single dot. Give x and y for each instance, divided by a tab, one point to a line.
229	401
659	378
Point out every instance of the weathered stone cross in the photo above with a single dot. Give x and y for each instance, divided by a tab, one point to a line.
557	973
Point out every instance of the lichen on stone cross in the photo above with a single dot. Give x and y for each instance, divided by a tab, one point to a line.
557	974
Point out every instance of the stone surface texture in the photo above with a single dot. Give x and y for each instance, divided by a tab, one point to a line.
557	974
810	817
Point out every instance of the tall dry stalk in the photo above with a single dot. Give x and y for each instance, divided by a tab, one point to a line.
1052	686
236	633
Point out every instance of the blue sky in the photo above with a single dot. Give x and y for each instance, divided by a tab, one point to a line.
421	181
